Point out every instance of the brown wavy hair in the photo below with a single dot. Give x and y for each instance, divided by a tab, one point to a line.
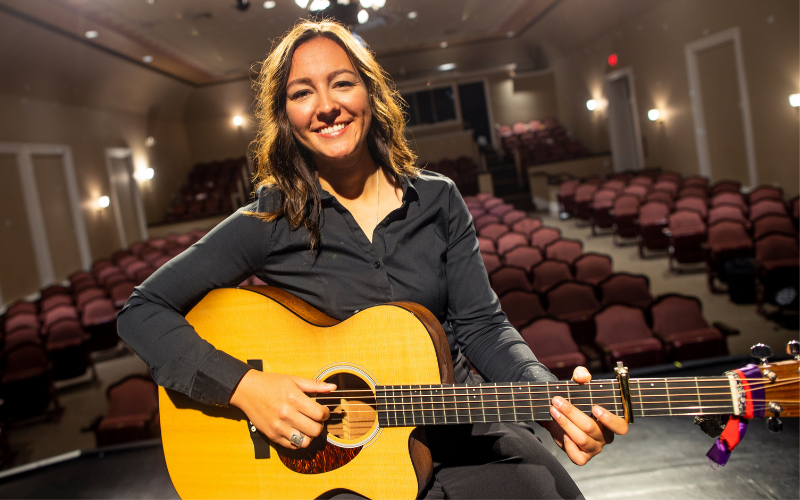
283	163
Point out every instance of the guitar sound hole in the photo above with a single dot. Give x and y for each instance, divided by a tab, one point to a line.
352	407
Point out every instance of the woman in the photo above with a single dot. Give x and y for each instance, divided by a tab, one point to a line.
344	221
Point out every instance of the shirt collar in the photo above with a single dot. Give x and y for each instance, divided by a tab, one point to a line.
410	192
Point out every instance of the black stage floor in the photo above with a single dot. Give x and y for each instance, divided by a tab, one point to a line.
660	458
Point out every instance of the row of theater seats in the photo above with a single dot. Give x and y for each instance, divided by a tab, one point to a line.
537	274
463	171
696	223
540	141
53	337
216	188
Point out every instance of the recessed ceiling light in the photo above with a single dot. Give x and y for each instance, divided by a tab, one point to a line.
377	4
151	2
363	16
91	34
343	2
238	120
447	67
319	5
412	14
366	3
269	4
148	59
301	3
443	45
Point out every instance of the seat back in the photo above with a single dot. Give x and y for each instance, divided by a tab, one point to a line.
637	190
567	188
524	257
765	192
501	209
727	231
729	198
625	288
486	245
509	241
522	307
774	247
626	205
686	222
774	223
491	262
696	181
486	219
56	314
603	198
642	180
584	192
675	313
662	196
133	395
593	268
726	211
526	226
620	323
767	206
653	212
693	203
667	186
98	311
506	279
510	218
565	250
21	320
544	236
571	297
726	186
548	273
52	301
615	185
549	337
493	231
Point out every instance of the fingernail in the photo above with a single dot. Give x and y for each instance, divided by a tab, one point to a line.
598	412
558	402
555	413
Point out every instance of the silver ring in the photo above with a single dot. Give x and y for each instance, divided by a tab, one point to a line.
297	439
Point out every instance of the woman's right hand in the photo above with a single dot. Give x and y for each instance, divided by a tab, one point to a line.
278	405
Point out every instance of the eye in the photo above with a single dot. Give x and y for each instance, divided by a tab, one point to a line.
343	84
299	94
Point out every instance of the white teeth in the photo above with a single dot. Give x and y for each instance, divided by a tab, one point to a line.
330	130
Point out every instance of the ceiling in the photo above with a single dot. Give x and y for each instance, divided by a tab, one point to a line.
209	41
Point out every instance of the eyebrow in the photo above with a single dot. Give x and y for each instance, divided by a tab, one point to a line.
331	76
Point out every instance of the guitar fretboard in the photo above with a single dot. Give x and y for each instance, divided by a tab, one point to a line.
412	405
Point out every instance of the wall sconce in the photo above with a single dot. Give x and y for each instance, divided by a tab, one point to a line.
654	115
144	174
794	100
591	104
103	202
238	120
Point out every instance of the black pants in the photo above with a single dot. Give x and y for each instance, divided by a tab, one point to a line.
492	461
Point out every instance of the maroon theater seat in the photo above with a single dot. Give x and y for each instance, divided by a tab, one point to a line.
564	250
501	210
21	320
134	267
693	203
514	216
674	177
21	307
727	239
102	274
485	220
637	190
624	288
52	301
687	234
574	303
642	180
510	241
623	335
55	314
602	204
143	274
67	346
765	192
491	262
662	196
583	200
522	307
678	321
506	279
489	203
773	223
653	218
776	257
794	203
626	214
699	192
727	211
544	236
21	335
53	290
493	231
667	186
730	198
566	196
548	273
523	257
132	413
85	296
696	181
120	293
83	285
526	226
552	343
767	206
592	268
123	260
99	319
726	186
27	385
486	245
160	260
79	276
615	185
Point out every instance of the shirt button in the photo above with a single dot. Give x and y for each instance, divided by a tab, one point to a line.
376	264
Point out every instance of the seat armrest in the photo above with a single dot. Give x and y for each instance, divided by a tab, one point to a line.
667	232
725	329
660	336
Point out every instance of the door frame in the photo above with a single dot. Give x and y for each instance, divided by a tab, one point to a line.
611	77
695	92
121	154
33	208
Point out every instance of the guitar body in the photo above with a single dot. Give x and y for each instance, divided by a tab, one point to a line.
209	450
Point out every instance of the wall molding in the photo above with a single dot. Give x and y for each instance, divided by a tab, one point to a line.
613	76
122	154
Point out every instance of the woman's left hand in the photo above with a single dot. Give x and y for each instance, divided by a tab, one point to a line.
582	436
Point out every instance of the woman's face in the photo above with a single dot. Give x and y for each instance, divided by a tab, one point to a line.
327	104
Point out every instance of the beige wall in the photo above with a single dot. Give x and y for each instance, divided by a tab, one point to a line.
652	45
526	97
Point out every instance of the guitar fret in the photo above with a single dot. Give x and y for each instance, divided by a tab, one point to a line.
476	404
444	412
462	403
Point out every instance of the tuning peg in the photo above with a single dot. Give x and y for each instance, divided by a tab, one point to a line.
762	352
793	348
774	424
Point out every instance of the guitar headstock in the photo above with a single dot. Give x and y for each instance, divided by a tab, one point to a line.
780	382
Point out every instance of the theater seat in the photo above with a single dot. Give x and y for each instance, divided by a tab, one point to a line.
552	344
678	321
623	335
522	307
132	413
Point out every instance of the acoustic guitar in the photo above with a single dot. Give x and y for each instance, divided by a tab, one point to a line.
391	364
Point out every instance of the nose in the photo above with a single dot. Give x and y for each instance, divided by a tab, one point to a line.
328	108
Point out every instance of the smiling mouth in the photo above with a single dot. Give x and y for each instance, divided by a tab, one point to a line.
333	129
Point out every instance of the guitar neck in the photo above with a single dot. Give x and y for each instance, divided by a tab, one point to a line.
412	405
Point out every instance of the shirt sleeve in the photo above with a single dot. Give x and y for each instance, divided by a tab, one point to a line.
480	327
152	321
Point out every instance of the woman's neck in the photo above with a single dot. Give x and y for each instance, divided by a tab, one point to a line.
348	182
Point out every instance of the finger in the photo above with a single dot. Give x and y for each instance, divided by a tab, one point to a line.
581	375
310	428
578	456
307	406
311	386
613	423
581	429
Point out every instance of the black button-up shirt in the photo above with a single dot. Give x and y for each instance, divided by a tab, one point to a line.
426	252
